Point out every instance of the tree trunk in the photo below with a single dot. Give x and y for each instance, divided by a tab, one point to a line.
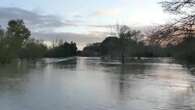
122	57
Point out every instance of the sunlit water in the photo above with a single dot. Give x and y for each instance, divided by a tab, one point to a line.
96	84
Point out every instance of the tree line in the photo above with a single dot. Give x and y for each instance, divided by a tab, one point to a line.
15	43
125	45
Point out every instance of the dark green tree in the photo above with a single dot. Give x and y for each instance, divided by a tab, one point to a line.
17	33
32	49
63	50
12	40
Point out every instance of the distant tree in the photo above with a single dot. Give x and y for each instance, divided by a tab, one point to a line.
63	50
32	49
92	50
109	47
126	36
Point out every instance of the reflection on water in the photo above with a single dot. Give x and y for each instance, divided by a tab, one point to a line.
96	84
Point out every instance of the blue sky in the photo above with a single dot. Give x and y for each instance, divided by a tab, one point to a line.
85	17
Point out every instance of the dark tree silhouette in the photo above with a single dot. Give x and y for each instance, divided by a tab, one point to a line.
125	37
63	50
32	49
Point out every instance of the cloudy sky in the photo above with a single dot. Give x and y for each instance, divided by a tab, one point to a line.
82	21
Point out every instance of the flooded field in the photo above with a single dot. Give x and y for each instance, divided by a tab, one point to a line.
95	84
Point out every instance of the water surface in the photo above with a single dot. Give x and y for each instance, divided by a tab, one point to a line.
96	84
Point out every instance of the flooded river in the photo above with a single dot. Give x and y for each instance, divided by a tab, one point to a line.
96	84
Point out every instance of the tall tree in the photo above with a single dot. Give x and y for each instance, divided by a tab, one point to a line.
18	33
125	37
12	39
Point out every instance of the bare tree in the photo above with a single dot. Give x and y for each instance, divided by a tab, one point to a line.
182	7
185	11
